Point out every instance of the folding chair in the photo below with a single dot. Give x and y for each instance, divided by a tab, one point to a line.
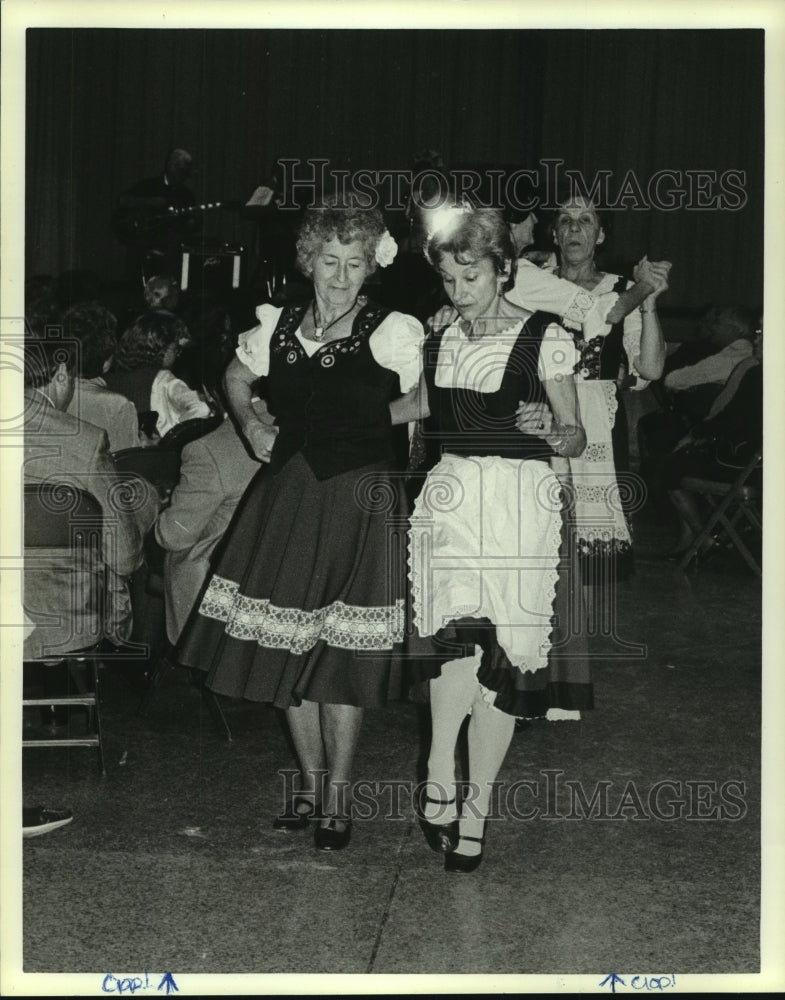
189	430
732	504
63	536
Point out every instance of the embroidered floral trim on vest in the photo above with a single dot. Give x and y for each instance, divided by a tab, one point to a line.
366	321
588	365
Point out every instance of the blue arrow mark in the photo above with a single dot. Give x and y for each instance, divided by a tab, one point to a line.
171	985
611	981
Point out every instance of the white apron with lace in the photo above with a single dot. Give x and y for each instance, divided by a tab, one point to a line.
484	543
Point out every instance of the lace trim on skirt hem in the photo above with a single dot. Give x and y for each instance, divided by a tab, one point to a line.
340	625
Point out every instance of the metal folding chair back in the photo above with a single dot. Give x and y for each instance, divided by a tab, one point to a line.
63	528
732	505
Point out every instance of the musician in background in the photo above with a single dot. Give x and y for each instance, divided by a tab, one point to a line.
152	219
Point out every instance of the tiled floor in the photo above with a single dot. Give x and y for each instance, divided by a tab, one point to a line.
171	862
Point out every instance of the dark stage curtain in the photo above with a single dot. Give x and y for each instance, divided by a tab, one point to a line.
103	106
677	101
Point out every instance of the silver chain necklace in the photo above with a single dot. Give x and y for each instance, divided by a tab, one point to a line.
319	330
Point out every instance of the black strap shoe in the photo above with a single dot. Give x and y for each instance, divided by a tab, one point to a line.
297	816
327	838
441	837
464	863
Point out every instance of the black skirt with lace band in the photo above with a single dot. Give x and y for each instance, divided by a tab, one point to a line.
306	601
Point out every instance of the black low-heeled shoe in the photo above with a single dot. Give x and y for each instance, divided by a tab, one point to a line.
327	838
295	818
464	863
441	837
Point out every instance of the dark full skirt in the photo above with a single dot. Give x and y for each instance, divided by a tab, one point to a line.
307	596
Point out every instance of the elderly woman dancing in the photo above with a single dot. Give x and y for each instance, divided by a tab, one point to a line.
633	348
485	533
304	610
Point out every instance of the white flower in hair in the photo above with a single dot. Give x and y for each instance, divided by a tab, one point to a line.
386	249
446	217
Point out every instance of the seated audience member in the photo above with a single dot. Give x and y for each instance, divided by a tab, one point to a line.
728	332
61	448
720	446
214	473
690	352
141	371
93	327
686	393
162	293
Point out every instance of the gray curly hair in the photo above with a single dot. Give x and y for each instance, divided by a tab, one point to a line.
345	222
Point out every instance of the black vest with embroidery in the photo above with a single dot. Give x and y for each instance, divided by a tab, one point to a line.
334	406
469	422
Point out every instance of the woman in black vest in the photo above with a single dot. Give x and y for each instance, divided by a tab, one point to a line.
305	609
486	529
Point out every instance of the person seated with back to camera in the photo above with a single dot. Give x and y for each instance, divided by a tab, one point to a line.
719	447
215	471
93	327
58	444
141	371
687	391
729	332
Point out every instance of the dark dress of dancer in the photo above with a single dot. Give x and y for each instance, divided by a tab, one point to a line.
305	609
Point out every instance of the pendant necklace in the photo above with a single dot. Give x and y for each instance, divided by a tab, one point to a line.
467	329
320	330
